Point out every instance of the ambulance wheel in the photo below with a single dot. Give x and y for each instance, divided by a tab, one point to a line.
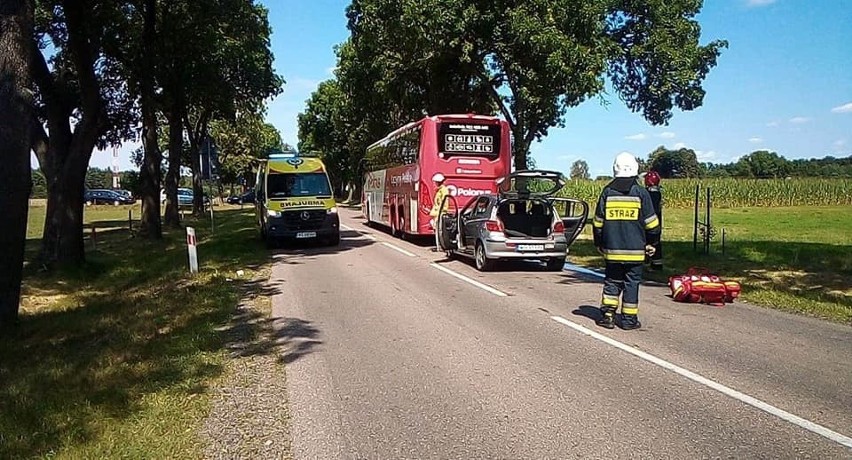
334	240
271	242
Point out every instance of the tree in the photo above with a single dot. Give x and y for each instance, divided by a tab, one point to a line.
84	102
763	164
16	94
241	142
323	129
674	163
539	58
580	170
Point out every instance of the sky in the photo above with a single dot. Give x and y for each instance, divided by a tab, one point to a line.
784	84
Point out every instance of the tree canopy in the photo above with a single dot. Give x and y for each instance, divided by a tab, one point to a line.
531	61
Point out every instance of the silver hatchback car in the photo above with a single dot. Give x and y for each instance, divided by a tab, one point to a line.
521	221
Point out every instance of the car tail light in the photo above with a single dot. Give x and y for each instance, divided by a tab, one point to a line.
494	226
559	227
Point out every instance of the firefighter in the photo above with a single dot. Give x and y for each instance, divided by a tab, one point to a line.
625	228
652	183
441	191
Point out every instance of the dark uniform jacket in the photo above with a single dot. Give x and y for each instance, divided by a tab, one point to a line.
625	221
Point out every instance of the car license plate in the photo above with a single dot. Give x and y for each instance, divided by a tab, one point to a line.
530	247
306	235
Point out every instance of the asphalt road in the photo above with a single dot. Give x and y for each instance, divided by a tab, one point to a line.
394	352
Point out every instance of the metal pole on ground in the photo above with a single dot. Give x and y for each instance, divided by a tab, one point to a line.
707	225
695	221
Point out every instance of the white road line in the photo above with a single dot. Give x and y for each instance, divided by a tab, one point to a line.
484	287
398	249
742	397
364	234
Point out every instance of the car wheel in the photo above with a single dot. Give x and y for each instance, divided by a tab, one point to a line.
483	263
555	264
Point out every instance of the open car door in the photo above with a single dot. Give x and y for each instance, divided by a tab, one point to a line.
447	223
530	183
574	214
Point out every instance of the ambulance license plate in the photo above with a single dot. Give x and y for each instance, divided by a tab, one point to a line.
306	235
530	247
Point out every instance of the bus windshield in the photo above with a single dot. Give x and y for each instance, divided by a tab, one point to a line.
297	184
469	139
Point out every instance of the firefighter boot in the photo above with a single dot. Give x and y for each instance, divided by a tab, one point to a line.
630	322
607	319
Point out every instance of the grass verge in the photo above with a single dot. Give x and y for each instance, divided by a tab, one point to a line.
795	259
116	359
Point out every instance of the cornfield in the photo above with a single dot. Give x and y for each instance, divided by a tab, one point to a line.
735	193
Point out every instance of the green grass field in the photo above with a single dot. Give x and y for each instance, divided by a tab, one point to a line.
115	359
797	259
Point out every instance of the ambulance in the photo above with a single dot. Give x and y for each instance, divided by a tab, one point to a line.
294	200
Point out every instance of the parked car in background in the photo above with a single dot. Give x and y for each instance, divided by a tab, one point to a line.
125	193
105	196
245	198
185	197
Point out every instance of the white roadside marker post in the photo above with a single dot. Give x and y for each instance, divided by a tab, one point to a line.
191	247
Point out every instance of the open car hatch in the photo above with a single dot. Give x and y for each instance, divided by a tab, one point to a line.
530	184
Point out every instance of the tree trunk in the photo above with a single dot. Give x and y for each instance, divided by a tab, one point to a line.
520	150
172	215
67	156
16	28
197	184
150	226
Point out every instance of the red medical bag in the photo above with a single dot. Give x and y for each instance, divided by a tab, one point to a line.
699	285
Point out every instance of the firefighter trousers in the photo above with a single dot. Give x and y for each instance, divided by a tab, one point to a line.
622	281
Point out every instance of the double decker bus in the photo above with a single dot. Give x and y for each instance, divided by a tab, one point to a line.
471	151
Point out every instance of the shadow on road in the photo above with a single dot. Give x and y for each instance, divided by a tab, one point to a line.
297	252
297	336
588	311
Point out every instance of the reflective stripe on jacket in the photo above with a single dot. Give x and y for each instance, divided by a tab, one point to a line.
625	221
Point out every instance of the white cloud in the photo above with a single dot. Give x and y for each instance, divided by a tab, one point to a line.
755	3
845	108
637	137
667	135
799	120
839	145
703	156
772	124
679	145
755	140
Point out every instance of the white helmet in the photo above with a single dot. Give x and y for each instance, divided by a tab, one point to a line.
438	177
625	165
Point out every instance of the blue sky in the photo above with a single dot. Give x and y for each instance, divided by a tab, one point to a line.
784	84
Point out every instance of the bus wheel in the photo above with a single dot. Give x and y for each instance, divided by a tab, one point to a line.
393	222
400	226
